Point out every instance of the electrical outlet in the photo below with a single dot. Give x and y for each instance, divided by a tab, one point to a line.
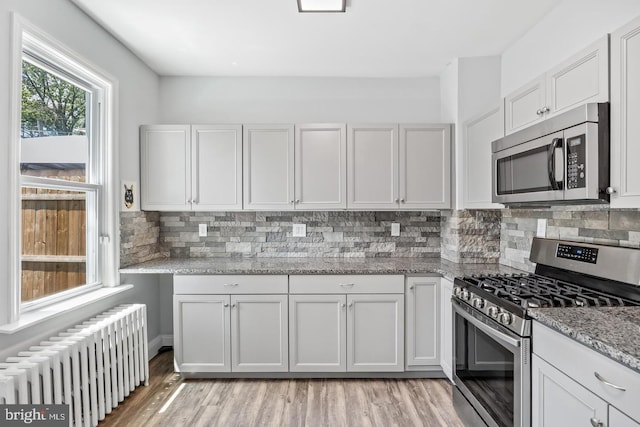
202	230
395	229
299	230
542	228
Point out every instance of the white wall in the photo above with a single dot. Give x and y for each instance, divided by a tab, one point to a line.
571	26
468	87
298	100
138	99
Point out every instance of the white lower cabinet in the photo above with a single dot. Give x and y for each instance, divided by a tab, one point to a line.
557	400
318	333
343	323
375	333
446	327
573	385
423	321
198	348
259	333
237	331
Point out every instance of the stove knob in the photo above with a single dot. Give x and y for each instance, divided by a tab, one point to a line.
493	312
505	318
457	291
466	295
478	303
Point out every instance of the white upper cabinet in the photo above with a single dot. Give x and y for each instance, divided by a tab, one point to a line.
523	107
425	156
582	78
373	166
216	159
268	153
477	135
411	171
321	166
191	167
165	165
625	111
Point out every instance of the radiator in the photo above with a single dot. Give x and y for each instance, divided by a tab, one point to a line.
91	367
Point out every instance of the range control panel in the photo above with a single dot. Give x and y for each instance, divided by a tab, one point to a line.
576	160
577	253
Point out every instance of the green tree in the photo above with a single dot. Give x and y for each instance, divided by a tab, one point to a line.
51	102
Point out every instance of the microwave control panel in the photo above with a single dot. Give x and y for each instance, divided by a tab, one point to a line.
577	253
576	160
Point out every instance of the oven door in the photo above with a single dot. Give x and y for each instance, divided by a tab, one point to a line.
491	369
530	172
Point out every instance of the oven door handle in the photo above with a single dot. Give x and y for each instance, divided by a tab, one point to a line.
497	335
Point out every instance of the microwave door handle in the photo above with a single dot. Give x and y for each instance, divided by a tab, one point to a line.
551	164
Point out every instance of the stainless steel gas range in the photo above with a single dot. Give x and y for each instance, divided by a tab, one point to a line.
492	332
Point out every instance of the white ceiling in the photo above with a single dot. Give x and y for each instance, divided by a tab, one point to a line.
374	38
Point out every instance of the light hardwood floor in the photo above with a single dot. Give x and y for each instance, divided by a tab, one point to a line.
300	402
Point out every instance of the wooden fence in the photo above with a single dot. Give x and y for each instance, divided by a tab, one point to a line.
53	242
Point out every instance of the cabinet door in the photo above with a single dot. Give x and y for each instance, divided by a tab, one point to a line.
446	327
618	419
477	135
268	167
321	166
423	321
425	167
201	333
259	333
523	107
580	79
216	159
317	332
557	400
625	110
165	167
372	170
375	333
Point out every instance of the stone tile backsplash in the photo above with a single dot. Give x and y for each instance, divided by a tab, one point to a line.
329	234
589	223
139	234
471	236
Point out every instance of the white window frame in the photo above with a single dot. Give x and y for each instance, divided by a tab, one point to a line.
28	38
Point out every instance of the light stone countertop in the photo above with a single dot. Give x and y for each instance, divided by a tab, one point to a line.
612	331
409	266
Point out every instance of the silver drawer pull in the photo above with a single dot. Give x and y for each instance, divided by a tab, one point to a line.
346	285
605	382
596	422
230	284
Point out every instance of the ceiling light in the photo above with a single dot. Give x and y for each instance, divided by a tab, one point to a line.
322	5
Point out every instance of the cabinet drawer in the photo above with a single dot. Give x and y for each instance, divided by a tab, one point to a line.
581	363
347	284
229	284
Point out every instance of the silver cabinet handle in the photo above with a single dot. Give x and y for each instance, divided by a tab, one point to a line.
605	382
401	200
397	200
411	287
610	190
230	284
539	112
292	202
346	285
596	422
545	110
226	304
343	305
233	305
350	305
297	200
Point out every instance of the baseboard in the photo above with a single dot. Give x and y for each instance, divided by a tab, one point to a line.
167	340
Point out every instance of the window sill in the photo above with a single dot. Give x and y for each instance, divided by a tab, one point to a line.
46	313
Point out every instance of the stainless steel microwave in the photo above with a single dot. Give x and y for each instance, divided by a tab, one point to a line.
564	159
